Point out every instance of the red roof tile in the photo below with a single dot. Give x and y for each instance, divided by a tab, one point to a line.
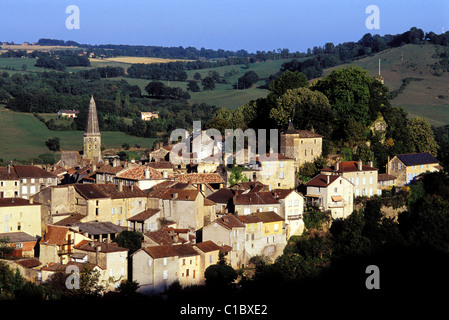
207	246
254	198
321	180
199	178
55	234
137	172
144	215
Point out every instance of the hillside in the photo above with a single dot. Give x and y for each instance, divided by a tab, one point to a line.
24	136
426	94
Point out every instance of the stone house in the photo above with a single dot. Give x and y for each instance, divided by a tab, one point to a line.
109	257
331	192
228	231
22	243
147	220
385	181
223	200
406	167
142	176
363	177
155	268
300	145
209	255
292	208
274	170
9	183
251	202
20	215
33	179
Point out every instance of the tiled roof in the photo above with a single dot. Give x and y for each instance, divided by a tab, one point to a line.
180	194
321	180
91	246
208	202
110	169
71	219
12	202
207	246
268	216
254	186
249	218
144	215
160	165
17	237
302	133
198	178
4	175
63	267
161	237
29	263
281	193
349	166
137	172
413	159
90	191
157	190
181	250
98	227
254	198
385	177
55	234
229	221
27	171
112	191
221	196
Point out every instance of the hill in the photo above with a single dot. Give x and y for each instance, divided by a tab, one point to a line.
424	92
24	136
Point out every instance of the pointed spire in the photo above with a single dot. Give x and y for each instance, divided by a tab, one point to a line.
290	129
92	119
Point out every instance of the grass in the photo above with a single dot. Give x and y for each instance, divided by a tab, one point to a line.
24	136
428	97
144	60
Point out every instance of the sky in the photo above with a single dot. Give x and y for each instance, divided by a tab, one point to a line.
217	24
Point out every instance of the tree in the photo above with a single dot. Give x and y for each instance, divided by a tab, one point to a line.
220	275
53	144
155	88
288	80
247	80
131	240
308	109
208	83
421	136
193	86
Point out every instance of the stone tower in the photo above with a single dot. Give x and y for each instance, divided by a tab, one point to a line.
92	136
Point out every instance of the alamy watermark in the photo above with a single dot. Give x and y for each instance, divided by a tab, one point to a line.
207	146
73	20
373	20
73	280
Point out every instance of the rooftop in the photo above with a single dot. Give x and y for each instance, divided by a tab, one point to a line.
14	202
413	159
198	178
254	198
28	171
322	180
348	166
144	215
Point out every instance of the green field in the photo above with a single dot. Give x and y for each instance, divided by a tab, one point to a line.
23	137
428	97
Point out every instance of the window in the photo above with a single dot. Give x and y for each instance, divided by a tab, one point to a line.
41	180
356	181
311	152
97	211
19	227
305	152
335	190
364	180
281	164
183	262
211	258
246	211
268	165
267	176
187	272
421	166
289	203
165	274
370	180
296	203
276	227
32	180
1	184
281	175
24	190
400	166
165	263
392	166
6	218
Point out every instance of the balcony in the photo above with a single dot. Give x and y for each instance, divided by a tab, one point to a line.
294	217
337	202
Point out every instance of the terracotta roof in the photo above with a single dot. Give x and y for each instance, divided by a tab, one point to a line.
144	215
4	175
321	180
229	221
207	246
281	193
198	178
181	250
29	263
112	191
55	234
249	218
17	237
161	237
254	198
302	133
221	196
385	177
349	166
62	267
160	165
180	194
91	246
253	186
90	191
413	159
208	202
157	190
110	169
71	219
13	202
26	171
137	172
268	216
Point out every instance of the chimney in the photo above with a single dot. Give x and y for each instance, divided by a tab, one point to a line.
328	179
147	173
337	166
165	174
97	250
370	163
31	200
9	169
175	195
360	165
120	185
388	165
131	187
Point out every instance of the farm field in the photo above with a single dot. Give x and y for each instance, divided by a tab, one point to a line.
131	60
24	136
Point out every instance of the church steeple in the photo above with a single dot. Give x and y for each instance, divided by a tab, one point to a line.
92	136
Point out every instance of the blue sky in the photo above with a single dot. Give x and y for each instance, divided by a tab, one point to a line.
227	24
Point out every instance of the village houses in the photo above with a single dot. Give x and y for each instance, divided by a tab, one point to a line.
406	167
